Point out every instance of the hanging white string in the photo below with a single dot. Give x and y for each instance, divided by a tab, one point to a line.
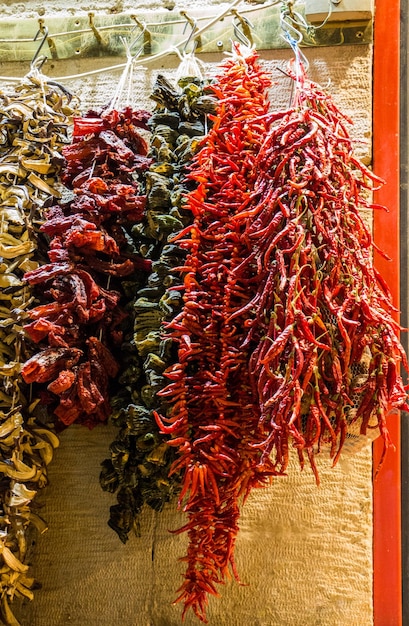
242	47
36	75
190	66
293	36
301	62
125	79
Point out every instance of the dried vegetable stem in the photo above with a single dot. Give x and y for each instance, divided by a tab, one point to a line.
79	322
212	416
138	468
34	126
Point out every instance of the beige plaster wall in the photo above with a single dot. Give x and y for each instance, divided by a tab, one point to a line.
304	553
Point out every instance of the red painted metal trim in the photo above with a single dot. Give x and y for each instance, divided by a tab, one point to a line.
387	508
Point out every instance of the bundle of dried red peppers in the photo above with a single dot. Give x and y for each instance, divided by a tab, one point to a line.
286	336
213	414
326	348
78	323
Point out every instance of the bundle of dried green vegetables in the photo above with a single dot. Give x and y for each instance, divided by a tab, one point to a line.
138	468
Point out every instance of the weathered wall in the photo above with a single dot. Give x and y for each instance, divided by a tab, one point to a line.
33	8
304	553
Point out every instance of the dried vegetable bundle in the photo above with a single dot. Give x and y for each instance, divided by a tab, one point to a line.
34	126
212	413
140	458
78	323
286	336
323	344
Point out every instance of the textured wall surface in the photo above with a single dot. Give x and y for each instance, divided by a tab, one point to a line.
34	8
304	553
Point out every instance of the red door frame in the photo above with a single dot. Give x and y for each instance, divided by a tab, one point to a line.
387	486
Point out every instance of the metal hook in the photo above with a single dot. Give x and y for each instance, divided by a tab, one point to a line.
132	44
147	35
94	29
287	26
292	35
242	28
193	23
43	30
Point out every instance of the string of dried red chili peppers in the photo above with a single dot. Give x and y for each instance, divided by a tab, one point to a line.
326	349
212	414
79	324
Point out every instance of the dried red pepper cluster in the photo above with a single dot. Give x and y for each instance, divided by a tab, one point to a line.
79	320
286	337
213	415
326	349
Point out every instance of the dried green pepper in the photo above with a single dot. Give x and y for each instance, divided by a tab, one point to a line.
140	459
